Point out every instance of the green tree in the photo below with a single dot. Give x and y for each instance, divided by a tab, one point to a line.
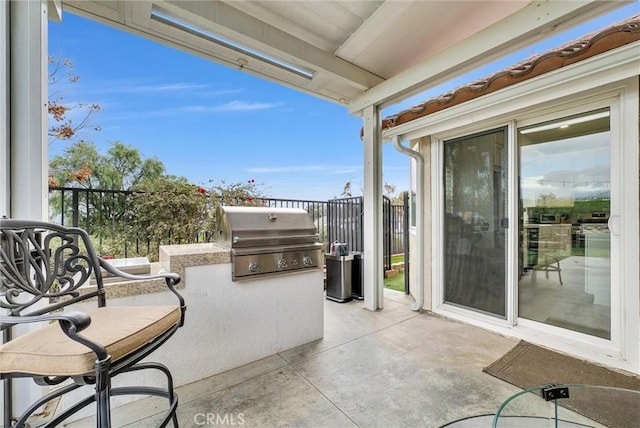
241	194
168	210
121	168
127	170
222	193
154	212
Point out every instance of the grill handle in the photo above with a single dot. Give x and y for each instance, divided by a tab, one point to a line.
275	240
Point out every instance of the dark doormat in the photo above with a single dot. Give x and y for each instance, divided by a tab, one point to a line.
528	365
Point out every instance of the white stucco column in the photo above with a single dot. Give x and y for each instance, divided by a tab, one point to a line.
4	108
23	135
4	131
28	147
373	252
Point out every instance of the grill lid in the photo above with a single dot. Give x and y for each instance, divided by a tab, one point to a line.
241	227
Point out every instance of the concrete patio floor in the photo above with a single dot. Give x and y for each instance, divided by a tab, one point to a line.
390	368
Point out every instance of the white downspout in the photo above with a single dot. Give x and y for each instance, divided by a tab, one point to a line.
419	290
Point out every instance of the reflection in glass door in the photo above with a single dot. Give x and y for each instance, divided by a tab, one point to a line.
475	197
564	248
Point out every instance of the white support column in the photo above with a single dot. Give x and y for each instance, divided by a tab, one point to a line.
23	136
28	146
4	137
4	108
373	252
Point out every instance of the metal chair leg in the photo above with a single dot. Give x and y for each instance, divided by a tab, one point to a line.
103	393
169	393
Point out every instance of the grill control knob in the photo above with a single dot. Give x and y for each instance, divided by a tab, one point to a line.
308	261
253	267
282	264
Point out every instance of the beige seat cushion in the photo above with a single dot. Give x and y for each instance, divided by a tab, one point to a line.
48	351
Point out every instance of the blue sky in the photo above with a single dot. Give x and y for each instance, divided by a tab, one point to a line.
207	122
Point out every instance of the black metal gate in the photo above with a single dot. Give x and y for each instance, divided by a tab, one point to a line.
344	222
387	231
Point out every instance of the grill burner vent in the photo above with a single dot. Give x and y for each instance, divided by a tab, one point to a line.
269	241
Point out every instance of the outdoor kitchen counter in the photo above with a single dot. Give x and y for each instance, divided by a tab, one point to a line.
175	258
233	323
228	323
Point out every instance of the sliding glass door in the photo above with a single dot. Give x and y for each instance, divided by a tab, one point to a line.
565	205
475	198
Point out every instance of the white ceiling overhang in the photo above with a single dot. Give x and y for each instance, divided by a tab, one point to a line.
356	53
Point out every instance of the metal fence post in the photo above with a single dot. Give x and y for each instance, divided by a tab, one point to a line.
74	207
405	239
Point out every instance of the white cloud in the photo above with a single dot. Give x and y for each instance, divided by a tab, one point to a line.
339	169
285	169
232	106
125	86
167	87
221	92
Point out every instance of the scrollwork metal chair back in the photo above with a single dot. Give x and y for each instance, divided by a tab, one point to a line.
42	266
51	276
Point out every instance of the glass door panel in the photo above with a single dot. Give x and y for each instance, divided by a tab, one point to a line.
564	248
475	198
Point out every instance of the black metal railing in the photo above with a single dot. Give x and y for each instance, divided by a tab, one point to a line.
105	215
316	209
102	213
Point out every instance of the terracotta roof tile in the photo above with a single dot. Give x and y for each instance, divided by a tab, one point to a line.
614	36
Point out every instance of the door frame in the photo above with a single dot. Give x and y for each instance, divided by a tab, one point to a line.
622	350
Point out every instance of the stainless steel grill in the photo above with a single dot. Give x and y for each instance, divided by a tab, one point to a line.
269	241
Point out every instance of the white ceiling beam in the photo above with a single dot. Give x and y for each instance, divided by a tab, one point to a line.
532	23
106	12
54	10
383	17
228	22
138	12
